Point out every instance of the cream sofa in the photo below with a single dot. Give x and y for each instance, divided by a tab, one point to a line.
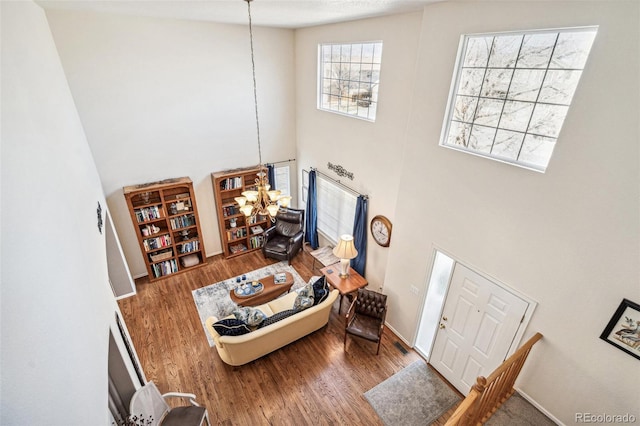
239	350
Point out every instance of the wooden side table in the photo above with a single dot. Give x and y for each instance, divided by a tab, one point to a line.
345	286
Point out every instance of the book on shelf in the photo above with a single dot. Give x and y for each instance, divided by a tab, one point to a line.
147	213
237	248
256	219
231	183
164	268
280	278
157	242
256	241
230	210
257	229
183	221
235	233
189	247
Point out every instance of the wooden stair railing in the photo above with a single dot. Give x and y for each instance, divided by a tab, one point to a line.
487	395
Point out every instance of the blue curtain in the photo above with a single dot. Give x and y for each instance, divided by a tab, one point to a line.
311	221
271	175
360	235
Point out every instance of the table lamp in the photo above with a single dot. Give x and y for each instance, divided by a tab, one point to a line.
345	251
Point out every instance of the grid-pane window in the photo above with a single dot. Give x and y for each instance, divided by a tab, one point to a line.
282	182
336	209
511	93
349	77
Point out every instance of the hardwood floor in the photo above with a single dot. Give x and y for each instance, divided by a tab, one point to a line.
311	381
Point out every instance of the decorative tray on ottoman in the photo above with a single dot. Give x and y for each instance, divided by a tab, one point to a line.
249	289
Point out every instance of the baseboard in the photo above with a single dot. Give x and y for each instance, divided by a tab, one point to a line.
539	407
398	335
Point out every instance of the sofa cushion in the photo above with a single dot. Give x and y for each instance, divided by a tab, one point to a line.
277	317
282	303
320	290
304	299
250	316
231	327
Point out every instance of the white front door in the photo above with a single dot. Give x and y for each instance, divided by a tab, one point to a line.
479	322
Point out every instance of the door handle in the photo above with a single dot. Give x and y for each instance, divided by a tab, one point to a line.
442	326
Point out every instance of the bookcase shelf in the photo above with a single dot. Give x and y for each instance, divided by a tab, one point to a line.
244	237
165	217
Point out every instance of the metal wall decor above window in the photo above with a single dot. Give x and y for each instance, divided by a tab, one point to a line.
349	78
511	92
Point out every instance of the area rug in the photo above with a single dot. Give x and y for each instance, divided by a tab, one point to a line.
413	396
214	300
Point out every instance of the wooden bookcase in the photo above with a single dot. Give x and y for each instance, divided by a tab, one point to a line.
238	235
165	217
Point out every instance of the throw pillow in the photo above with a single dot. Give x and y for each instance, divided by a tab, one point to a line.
320	290
250	316
231	327
304	299
277	317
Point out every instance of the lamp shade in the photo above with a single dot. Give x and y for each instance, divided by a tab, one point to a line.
345	249
252	196
284	200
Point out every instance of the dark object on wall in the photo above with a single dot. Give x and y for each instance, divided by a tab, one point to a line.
99	212
623	330
284	240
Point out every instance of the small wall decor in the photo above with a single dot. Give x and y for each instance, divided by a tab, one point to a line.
99	212
340	171
623	330
381	230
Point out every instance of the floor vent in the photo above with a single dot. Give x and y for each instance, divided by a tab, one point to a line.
401	348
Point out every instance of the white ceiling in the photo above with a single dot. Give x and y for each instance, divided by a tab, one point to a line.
272	13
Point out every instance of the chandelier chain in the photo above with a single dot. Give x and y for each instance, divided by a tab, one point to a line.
255	92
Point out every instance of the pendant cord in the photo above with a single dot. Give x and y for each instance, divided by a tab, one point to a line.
255	92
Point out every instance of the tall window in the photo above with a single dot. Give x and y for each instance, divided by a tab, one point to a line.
511	93
349	77
336	209
282	182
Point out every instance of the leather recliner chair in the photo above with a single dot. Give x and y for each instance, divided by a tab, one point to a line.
284	240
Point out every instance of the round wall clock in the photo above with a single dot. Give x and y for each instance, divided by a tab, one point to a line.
381	230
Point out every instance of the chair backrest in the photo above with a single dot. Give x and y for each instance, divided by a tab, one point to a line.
147	403
371	303
289	222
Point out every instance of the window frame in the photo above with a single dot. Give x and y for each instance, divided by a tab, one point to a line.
455	86
278	171
355	103
343	217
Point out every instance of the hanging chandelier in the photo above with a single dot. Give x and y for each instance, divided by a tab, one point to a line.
263	201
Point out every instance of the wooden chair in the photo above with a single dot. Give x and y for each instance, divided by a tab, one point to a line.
366	316
148	404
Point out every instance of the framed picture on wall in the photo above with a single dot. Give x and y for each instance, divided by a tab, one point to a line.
623	330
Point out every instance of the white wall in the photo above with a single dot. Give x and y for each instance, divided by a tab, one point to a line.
56	301
162	98
371	151
568	238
